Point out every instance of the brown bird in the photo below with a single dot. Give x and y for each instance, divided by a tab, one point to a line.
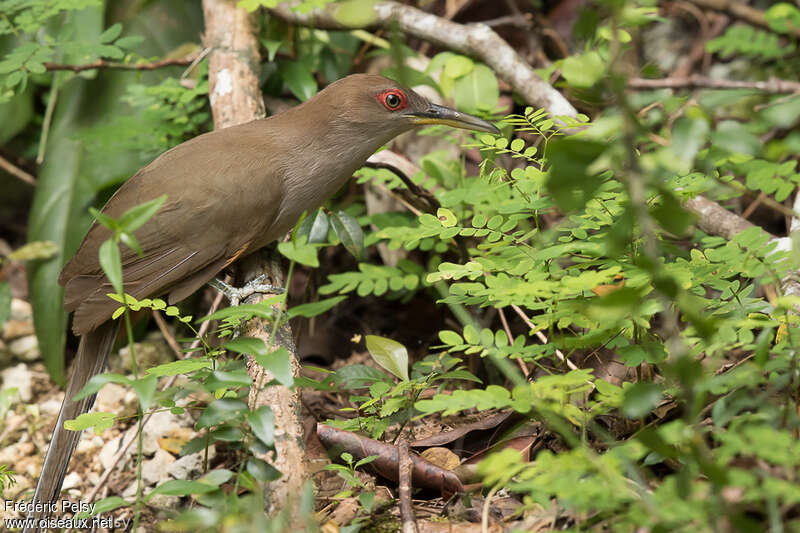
229	193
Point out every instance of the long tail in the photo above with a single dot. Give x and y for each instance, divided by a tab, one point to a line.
93	351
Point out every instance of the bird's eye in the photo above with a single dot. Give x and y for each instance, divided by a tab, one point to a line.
393	99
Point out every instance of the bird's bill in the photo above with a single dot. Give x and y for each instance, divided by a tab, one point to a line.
437	114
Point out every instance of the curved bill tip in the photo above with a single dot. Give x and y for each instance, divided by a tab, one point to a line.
438	114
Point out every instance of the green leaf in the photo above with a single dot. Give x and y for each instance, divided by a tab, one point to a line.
135	217
299	79
97	382
688	136
349	232
111	263
390	354
99	421
246	345
570	179
477	90
272	48
355	13
300	251
450	338
111	33
314	227
262	470
458	66
221	411
278	363
130	42
583	70
106	505
446	217
5	302
145	390
262	422
315	308
262	309
640	399
228	379
181	487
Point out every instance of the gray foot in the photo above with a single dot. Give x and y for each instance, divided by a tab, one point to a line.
236	294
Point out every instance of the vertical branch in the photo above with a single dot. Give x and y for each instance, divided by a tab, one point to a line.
236	98
404	475
233	63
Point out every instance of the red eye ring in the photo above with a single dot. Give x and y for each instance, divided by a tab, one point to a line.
393	99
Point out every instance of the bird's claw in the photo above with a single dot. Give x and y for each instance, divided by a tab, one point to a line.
236	294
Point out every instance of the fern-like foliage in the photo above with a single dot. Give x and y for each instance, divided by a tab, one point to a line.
748	41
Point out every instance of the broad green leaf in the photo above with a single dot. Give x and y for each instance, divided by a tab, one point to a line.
246	345
349	232
355	13
145	388
106	505
314	227
136	216
358	376
262	309
278	363
221	411
130	42
99	421
181	487
314	308
5	302
299	79
390	354
97	382
640	399
111	263
184	366
688	136
476	90
272	47
262	422
261	470
15	114
458	66
583	70
227	379
111	33
571	180
300	251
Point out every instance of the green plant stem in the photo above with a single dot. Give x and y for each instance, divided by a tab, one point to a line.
139	416
48	118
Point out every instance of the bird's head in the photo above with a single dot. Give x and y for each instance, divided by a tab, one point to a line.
382	105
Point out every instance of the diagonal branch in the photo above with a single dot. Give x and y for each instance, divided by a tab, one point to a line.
742	11
476	40
17	172
101	64
771	86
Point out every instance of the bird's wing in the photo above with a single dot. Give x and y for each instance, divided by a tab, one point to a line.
211	216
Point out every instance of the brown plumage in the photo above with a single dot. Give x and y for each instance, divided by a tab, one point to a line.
229	193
